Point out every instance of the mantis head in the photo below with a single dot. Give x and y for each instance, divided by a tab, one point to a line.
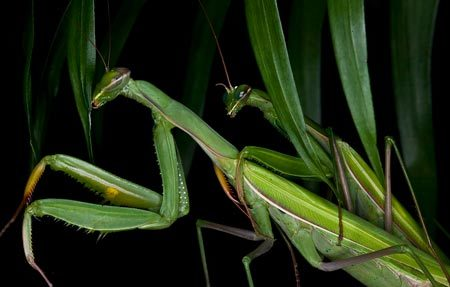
236	98
110	86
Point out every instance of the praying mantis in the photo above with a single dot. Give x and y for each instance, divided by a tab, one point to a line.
174	201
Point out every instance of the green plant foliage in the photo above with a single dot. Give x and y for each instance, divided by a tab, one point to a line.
412	29
304	46
39	91
27	86
269	46
347	25
81	61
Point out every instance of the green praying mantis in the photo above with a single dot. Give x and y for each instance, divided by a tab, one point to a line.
370	254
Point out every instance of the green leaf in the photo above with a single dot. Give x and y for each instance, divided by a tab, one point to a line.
412	27
304	46
56	58
266	36
56	63
27	85
349	40
201	55
37	97
81	60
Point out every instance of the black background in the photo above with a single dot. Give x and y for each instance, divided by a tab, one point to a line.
157	52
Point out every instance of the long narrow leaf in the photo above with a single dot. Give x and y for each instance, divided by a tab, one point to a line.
37	97
199	65
270	50
412	27
56	63
347	27
304	46
81	60
56	58
27	85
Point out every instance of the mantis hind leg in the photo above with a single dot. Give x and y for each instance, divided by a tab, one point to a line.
315	245
262	248
434	251
252	207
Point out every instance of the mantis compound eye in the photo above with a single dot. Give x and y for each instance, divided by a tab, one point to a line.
236	99
119	77
242	92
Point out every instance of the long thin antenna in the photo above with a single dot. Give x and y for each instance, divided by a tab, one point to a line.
100	54
109	33
217	44
105	63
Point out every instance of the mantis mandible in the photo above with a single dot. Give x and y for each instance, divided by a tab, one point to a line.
310	222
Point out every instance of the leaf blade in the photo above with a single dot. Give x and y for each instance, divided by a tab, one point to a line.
27	86
304	46
412	28
270	50
347	27
81	61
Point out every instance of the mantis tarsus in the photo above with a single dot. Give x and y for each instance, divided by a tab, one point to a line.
262	190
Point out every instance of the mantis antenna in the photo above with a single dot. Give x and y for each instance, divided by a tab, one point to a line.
105	63
230	87
109	33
